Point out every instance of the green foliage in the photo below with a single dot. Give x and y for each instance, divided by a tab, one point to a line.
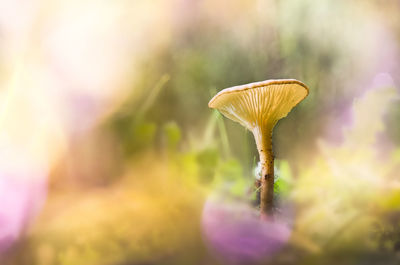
284	179
208	160
230	170
386	233
173	136
143	134
134	135
187	168
231	179
390	202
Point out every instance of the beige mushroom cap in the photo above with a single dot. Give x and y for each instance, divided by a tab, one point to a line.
260	105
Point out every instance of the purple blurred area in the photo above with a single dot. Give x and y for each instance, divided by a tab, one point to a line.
236	234
23	189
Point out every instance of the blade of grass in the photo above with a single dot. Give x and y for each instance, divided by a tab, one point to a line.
217	118
210	128
224	136
150	99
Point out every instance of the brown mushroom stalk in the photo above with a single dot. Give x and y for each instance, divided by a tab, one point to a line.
263	139
258	107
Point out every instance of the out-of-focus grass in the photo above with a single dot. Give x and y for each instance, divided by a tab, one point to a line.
150	215
147	217
112	99
350	189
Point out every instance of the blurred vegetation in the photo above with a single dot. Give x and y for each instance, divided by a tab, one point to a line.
131	189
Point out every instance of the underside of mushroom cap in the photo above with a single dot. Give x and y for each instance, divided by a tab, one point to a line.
260	104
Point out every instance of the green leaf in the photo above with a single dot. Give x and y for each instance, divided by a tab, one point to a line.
173	135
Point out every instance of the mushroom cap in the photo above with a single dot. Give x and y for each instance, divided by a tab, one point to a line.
260	104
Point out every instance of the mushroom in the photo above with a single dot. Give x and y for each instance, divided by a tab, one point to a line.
258	107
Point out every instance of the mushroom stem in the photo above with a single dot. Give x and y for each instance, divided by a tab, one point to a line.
264	145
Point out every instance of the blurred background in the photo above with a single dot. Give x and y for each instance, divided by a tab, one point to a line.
109	152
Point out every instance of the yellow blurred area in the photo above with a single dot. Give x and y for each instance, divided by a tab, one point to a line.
138	218
350	186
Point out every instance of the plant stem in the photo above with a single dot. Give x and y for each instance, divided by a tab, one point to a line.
264	146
